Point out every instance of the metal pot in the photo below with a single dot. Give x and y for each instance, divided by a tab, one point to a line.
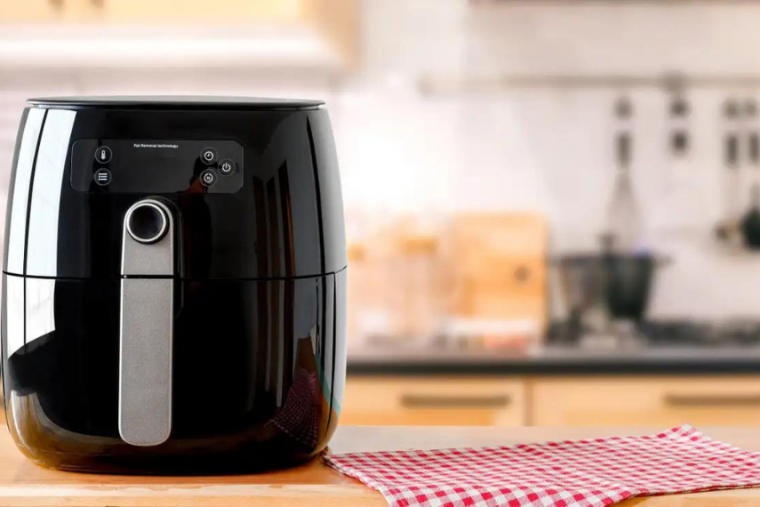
620	282
629	283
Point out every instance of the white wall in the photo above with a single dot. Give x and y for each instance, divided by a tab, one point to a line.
551	149
544	149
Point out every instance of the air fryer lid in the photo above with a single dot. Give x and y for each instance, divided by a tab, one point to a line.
178	102
277	213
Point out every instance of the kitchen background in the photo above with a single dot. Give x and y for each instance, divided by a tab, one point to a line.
553	207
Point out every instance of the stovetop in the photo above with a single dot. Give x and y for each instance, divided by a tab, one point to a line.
677	333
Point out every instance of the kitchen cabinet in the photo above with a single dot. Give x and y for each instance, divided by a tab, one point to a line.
434	401
650	401
286	34
166	11
660	401
31	10
51	11
228	12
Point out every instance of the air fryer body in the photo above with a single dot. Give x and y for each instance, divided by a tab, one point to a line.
254	286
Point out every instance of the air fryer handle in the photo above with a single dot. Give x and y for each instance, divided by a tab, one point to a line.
147	314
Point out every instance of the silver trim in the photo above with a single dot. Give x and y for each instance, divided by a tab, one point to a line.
146	333
151	204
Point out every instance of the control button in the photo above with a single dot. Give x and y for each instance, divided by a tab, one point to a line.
102	177
208	155
103	155
208	177
226	167
147	222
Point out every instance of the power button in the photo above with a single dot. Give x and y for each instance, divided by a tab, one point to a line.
226	167
208	177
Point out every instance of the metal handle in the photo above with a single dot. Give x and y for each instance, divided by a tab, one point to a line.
712	400
147	315
754	148
453	401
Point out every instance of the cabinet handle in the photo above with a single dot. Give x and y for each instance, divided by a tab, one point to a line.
448	401
712	400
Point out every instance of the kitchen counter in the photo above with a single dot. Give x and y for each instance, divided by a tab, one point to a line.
313	484
554	360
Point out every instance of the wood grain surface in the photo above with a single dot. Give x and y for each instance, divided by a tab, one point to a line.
312	484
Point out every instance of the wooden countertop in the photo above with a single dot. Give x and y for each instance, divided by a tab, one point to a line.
313	484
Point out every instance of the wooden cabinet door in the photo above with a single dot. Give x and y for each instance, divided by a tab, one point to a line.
202	12
52	11
31	10
414	401
646	401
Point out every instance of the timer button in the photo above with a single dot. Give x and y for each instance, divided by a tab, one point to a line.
103	155
226	167
208	155
208	177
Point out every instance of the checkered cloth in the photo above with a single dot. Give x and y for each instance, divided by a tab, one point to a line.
582	473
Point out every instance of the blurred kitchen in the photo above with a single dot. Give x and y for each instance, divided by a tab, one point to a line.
553	207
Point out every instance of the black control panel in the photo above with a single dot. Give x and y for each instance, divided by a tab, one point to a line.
156	166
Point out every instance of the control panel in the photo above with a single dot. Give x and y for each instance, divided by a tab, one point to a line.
156	166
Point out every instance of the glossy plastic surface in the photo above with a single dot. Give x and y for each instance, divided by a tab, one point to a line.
259	368
184	102
285	221
259	278
160	166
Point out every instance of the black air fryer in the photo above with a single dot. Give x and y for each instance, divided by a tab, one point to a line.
174	287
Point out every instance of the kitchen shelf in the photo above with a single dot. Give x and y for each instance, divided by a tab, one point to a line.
435	85
94	47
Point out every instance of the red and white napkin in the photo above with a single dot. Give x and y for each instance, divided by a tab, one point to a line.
582	473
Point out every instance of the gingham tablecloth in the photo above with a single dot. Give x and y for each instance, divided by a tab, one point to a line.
570	473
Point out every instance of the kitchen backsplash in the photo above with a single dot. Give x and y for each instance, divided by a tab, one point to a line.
423	126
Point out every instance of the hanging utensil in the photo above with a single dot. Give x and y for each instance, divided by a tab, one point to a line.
624	218
728	228
683	200
750	223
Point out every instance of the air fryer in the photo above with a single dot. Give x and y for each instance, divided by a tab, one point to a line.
174	286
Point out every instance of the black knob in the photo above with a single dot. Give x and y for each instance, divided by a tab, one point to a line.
147	222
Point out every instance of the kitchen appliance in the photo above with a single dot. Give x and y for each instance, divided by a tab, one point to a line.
174	296
583	280
600	290
629	282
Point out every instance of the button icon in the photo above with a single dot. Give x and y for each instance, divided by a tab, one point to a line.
103	155
102	177
226	167
208	177
208	155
